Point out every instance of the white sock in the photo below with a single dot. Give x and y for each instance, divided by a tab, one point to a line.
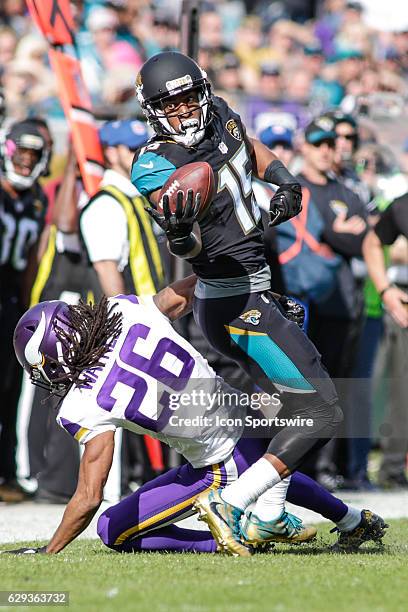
251	484
350	520
271	504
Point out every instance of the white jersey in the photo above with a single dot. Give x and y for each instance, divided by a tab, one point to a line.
153	381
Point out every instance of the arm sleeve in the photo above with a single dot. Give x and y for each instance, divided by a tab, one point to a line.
84	423
393	222
104	229
150	171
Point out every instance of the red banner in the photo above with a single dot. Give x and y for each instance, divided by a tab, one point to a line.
54	18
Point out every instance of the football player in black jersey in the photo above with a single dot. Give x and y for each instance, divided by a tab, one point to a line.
233	302
23	204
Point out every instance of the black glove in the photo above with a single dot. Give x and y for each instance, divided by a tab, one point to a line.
293	310
180	223
26	551
285	204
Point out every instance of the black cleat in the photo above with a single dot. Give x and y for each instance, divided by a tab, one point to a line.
371	527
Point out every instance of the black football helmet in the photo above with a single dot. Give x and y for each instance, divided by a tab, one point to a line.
169	74
23	135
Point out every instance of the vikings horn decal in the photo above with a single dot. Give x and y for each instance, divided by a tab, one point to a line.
31	351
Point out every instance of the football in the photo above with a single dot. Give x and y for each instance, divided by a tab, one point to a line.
197	176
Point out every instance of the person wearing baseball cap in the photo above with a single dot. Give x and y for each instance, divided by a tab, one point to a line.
108	220
336	218
279	139
127	133
321	131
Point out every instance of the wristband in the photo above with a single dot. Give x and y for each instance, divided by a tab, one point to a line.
188	246
278	174
383	291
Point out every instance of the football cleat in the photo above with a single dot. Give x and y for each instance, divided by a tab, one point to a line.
371	527
287	529
12	493
224	522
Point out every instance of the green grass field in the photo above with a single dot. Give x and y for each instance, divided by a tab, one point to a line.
297	578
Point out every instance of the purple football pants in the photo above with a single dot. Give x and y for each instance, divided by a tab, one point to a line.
144	520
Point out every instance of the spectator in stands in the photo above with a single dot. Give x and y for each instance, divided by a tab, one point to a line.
227	74
104	51
165	34
27	87
249	45
13	13
333	219
347	142
268	96
8	45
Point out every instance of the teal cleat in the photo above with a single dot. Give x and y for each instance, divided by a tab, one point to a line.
287	529
223	519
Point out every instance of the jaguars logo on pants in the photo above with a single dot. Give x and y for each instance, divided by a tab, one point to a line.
251	316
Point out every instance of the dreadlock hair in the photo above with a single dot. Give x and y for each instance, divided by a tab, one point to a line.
94	332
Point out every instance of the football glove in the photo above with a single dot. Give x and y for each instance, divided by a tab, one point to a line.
293	310
180	223
285	204
26	551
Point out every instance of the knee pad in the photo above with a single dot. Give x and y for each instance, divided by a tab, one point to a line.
103	531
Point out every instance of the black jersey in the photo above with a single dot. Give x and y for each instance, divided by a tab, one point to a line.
231	231
21	221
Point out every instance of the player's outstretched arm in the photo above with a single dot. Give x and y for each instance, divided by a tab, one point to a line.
287	201
176	300
93	473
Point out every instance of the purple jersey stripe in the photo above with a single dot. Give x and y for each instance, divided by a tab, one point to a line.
72	428
130	298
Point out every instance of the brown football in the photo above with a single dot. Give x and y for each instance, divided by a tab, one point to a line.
197	176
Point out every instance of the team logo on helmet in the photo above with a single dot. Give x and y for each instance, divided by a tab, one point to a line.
233	129
177	85
138	82
251	316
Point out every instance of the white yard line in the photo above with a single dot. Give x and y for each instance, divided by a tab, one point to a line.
31	521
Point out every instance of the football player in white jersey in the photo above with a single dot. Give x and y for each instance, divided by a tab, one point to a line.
121	364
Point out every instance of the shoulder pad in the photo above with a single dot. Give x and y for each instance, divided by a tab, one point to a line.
150	171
